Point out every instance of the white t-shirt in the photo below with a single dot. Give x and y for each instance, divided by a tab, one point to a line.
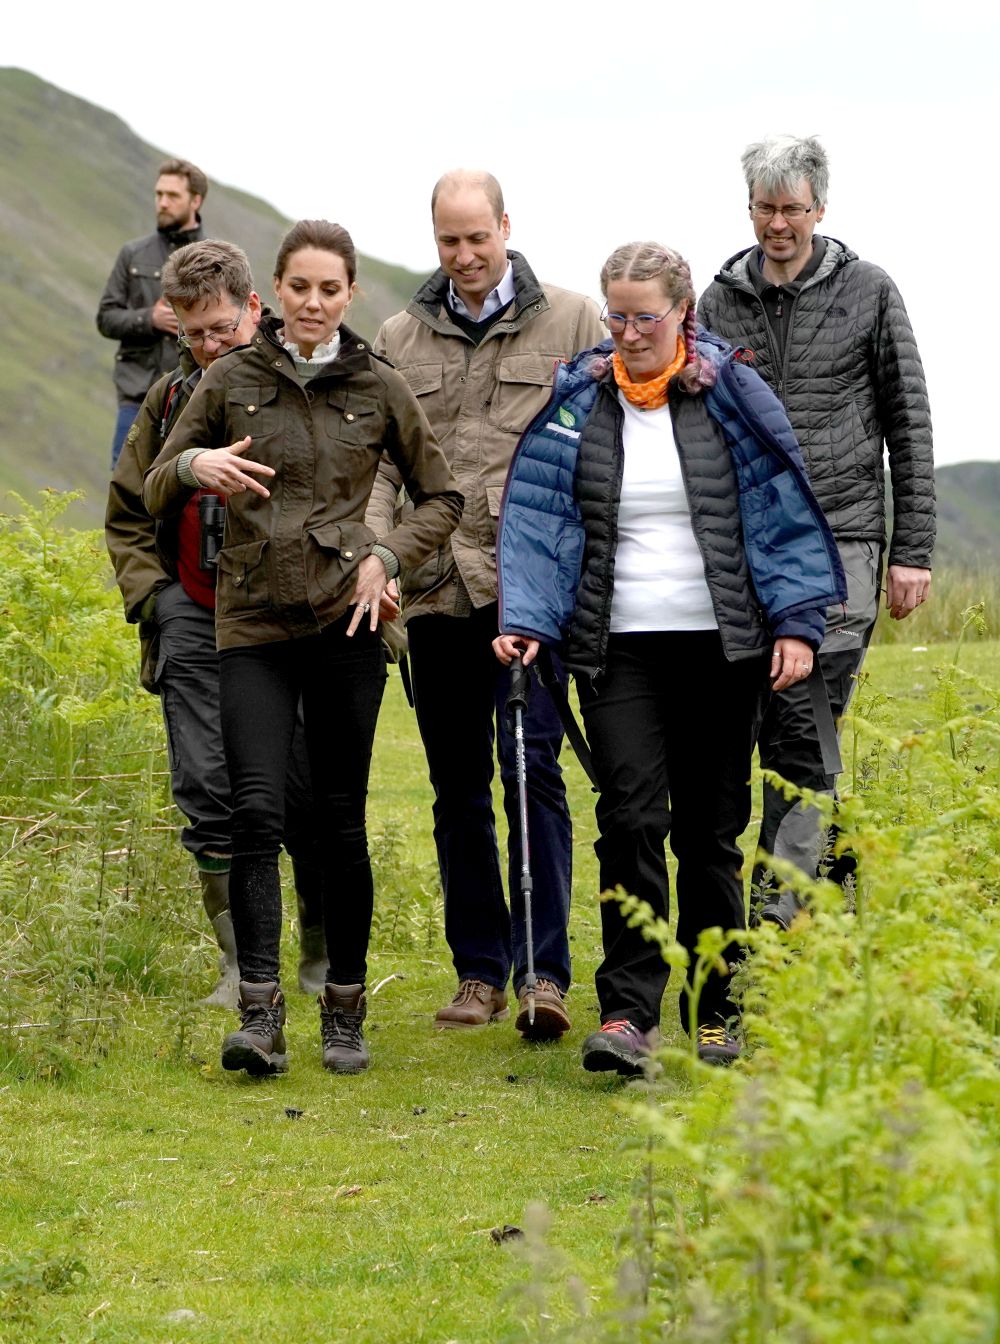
659	572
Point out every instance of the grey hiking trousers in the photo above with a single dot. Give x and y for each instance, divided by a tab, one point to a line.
788	741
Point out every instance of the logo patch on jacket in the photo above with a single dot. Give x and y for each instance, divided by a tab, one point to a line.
566	417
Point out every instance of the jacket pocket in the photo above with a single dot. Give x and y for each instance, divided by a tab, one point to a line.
426	382
524	385
354	421
255	410
340	548
242	582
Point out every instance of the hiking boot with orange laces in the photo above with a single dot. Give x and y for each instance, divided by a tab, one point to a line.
551	1019
715	1045
618	1046
475	1004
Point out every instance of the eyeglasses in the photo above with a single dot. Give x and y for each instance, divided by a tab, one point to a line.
217	334
644	323
790	213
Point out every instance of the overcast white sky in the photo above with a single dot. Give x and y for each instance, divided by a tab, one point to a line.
603	123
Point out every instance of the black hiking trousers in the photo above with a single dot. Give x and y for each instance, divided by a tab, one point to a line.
671	734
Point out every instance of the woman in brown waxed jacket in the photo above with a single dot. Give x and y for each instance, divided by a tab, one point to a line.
291	429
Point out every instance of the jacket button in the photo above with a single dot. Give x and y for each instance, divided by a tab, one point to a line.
348	555
238	580
250	409
277	363
348	416
361	345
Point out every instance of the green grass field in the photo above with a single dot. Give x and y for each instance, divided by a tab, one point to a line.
148	1196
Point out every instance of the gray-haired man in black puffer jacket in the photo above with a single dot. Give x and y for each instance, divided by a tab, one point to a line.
829	332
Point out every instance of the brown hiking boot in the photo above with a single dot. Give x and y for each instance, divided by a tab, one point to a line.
259	1045
551	1018
342	1009
475	1004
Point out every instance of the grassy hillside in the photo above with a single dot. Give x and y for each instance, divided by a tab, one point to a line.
75	183
968	508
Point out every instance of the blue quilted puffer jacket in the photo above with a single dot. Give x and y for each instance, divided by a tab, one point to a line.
791	554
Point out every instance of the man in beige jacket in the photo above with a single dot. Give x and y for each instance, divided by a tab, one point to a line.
478	345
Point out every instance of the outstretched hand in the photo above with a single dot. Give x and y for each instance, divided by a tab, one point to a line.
225	470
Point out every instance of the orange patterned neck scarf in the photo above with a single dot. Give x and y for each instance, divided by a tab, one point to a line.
652	395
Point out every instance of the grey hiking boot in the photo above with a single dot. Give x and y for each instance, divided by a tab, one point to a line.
619	1047
259	1045
342	1009
215	898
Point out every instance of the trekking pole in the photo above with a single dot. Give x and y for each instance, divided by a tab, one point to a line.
517	703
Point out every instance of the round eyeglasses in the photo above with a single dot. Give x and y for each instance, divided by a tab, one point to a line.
643	323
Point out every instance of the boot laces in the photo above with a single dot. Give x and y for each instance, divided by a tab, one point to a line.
260	1019
339	1027
471	989
712	1035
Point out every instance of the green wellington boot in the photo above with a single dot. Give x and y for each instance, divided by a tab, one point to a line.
215	897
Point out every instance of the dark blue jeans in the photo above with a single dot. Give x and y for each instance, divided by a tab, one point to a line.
340	683
127	411
460	692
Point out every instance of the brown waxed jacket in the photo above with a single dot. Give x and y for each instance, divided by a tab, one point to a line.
143	557
479	400
288	563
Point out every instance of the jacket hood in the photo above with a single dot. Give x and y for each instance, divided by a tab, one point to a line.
736	271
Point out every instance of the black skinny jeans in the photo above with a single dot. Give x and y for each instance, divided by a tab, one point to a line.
340	682
671	734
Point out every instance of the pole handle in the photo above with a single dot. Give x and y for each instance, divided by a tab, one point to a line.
517	697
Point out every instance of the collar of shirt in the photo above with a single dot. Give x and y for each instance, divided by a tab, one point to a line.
497	299
761	282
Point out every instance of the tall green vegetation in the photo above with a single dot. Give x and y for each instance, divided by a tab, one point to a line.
841	1183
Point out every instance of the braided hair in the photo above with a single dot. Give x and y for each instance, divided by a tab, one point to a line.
653	261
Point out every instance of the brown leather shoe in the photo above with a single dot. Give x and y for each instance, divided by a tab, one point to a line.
551	1018
475	1004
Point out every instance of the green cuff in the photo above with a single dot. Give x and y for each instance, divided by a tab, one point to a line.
184	473
388	559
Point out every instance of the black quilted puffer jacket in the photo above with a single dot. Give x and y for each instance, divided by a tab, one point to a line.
852	384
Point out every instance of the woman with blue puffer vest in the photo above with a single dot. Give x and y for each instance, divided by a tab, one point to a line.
659	528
